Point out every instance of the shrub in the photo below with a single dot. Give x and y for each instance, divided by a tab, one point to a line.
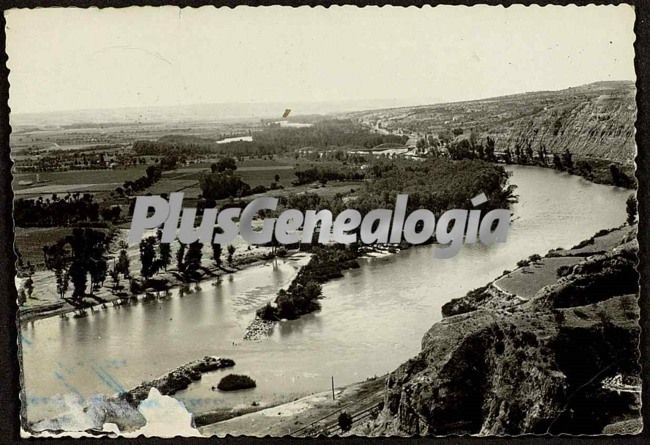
266	312
233	382
523	263
535	258
258	189
345	421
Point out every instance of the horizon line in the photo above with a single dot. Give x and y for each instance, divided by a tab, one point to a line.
339	101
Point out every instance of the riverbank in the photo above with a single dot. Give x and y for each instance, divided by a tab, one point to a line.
302	295
597	171
539	315
177	379
104	297
503	363
308	416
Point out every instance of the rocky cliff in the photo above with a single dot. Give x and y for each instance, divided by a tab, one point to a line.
596	121
564	360
592	121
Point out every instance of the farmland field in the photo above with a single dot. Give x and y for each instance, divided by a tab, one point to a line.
82	176
526	281
30	241
46	190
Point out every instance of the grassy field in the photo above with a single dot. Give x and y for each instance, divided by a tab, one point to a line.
74	177
30	241
526	281
252	171
267	176
261	162
171	185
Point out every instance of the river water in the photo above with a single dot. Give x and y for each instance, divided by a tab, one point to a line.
371	320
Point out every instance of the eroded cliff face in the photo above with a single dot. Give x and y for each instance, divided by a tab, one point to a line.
592	121
594	124
512	366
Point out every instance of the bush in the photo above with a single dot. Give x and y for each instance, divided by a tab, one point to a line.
266	312
233	382
535	258
523	263
258	189
345	421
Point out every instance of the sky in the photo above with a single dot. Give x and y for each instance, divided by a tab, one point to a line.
70	59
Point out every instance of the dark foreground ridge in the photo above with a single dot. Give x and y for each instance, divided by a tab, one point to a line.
562	359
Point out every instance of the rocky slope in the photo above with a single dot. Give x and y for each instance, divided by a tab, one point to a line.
592	121
564	360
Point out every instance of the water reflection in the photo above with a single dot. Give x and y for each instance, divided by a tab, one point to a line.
296	327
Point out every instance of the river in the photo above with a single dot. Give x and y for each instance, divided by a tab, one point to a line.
371	320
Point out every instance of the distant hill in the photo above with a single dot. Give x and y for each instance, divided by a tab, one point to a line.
592	121
221	112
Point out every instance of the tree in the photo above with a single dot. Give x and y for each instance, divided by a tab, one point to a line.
180	255
223	165
519	155
473	138
148	257
585	169
61	282
461	150
557	162
216	254
420	145
86	255
78	276
231	252
220	185
193	257
57	259
619	178
165	254
480	151
631	207
345	421
277	178
529	151
567	159
115	277
123	264
111	214
541	154
507	156
489	149
97	269
29	286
